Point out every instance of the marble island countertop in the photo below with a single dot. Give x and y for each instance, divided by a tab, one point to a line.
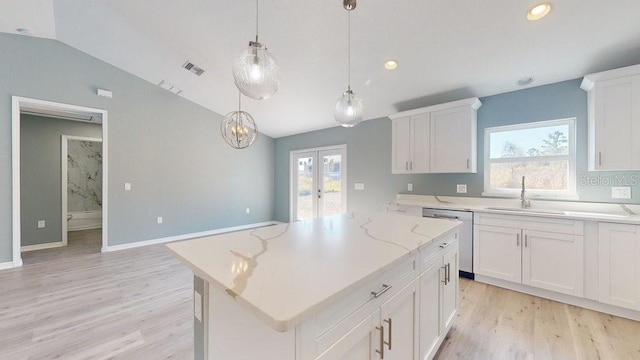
288	272
618	213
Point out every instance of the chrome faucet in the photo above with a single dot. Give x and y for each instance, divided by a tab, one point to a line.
524	203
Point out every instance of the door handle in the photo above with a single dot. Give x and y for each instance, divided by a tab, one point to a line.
388	321
319	194
381	351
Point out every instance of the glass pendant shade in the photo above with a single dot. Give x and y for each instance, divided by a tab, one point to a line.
349	109
239	129
256	73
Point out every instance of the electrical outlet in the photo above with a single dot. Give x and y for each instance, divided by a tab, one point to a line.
197	305
248	210
409	187
127	186
159	220
358	186
41	224
621	192
461	188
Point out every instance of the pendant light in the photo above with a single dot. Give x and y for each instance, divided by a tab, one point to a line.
349	108
255	71
238	128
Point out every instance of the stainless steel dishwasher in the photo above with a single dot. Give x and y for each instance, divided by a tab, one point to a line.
466	235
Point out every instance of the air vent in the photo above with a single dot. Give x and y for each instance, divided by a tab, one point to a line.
194	69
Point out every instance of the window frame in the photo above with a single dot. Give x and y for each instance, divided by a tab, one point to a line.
569	194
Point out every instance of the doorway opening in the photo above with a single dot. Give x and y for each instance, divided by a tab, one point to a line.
43	110
318	182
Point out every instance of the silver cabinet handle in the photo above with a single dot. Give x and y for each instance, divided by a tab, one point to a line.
406	165
525	240
388	321
410	165
517	239
444	245
448	273
385	288
381	351
599	157
468	162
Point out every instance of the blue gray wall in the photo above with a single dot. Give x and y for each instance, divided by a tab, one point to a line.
40	174
168	147
369	151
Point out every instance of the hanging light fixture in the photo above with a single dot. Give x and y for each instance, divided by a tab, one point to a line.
238	128
255	71
349	108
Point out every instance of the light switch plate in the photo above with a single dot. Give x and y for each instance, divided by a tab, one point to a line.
159	220
248	210
409	187
461	188
41	224
621	192
358	186
127	186
197	305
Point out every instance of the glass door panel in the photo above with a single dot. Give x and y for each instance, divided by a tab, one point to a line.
331	188
305	187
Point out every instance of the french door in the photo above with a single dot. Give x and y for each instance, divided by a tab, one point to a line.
318	182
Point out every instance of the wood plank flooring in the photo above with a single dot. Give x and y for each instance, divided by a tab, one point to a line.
77	303
495	323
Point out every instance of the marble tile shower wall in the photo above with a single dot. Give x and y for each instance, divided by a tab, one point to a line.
84	176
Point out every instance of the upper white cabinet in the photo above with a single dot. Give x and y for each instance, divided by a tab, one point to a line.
436	139
619	261
614	119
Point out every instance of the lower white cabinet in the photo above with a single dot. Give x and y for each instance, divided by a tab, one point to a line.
539	252
358	343
619	265
439	300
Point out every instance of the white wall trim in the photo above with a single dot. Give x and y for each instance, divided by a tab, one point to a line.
42	246
7	265
47	106
187	236
64	153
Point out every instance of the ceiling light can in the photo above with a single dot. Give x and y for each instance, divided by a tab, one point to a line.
390	64
539	11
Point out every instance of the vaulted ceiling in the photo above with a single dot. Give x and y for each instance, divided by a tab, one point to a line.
446	50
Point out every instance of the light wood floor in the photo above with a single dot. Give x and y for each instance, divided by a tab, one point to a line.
136	304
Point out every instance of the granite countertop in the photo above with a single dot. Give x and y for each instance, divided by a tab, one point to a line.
616	213
288	272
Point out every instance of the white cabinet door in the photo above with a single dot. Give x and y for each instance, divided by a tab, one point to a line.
400	320
420	148
401	145
430	304
496	252
410	144
619	265
453	140
360	343
449	290
553	261
616	124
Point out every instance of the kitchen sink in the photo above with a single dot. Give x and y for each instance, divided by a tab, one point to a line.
527	210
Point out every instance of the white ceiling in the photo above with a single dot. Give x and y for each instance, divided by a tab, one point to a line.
447	50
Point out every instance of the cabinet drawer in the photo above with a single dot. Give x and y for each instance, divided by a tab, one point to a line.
433	249
354	307
528	222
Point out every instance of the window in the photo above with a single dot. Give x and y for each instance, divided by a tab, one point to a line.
543	152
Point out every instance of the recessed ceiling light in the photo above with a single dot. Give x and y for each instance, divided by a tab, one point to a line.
390	64
527	80
539	11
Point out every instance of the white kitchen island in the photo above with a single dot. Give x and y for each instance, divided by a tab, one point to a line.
356	286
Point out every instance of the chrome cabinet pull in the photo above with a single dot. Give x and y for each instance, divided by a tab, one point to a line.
448	272
525	240
444	245
406	165
468	163
381	351
388	321
599	157
517	239
410	165
445	275
445	216
385	288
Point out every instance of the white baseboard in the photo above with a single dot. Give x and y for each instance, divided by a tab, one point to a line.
41	246
563	298
187	236
7	265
